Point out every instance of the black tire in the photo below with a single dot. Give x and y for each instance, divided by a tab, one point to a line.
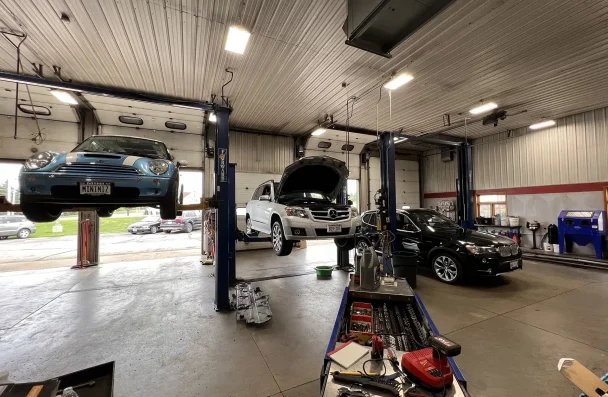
153	229
133	232
345	243
23	233
167	231
189	227
447	268
105	212
40	213
362	245
168	207
3	237
280	246
249	227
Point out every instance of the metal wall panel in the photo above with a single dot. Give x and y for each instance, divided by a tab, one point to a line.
261	153
438	176
574	151
407	188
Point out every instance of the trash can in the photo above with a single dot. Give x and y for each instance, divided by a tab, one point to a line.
405	264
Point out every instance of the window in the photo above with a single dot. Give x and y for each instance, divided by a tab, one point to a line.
489	205
347	148
124	145
266	190
404	223
174	125
324	145
366	217
34	109
241	211
130	120
258	192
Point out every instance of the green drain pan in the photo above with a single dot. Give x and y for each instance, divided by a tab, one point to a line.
324	271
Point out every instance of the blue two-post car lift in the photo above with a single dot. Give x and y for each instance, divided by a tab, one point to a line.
404	294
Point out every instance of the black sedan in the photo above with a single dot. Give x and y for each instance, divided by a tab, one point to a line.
150	224
450	250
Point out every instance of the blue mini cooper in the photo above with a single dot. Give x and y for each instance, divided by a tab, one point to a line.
105	172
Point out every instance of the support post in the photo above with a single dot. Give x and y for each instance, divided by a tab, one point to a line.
223	233
464	187
232	223
343	254
88	239
388	183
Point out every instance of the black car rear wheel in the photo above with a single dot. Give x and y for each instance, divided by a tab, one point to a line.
362	245
447	268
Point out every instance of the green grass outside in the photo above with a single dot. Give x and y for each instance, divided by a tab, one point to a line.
70	227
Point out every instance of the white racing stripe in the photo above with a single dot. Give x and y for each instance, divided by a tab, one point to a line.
130	160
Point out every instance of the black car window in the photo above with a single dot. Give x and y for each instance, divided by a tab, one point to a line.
365	218
266	190
432	219
373	220
404	223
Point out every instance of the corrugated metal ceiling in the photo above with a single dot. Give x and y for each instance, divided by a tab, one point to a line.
549	58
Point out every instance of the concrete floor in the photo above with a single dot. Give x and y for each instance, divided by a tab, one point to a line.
156	320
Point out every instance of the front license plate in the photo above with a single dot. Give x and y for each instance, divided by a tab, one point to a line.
515	265
95	189
334	228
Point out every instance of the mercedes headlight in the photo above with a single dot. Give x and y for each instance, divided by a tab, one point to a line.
39	160
158	167
475	250
296	211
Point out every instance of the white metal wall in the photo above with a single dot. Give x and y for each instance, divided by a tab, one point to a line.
61	136
438	176
574	151
261	153
182	146
247	182
406	177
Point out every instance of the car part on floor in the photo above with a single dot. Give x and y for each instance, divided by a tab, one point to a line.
251	304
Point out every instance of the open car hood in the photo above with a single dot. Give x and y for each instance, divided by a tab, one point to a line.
321	174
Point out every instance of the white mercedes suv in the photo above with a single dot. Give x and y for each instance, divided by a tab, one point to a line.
302	205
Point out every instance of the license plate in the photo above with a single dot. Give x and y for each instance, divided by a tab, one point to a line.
334	228
514	265
95	189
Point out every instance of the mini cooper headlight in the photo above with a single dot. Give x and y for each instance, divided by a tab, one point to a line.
39	160
158	167
296	211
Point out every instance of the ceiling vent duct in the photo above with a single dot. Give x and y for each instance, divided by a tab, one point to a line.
378	26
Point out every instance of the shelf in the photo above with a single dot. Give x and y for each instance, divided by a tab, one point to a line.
504	227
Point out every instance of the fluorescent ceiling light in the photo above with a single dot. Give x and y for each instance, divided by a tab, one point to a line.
212	118
542	124
237	40
398	81
318	131
64	97
397	139
484	108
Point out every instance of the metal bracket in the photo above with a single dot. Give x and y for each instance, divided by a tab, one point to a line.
251	304
57	73
38	69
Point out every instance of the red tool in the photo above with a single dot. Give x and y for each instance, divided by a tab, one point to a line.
429	367
377	347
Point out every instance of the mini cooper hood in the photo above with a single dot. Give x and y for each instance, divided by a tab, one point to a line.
321	174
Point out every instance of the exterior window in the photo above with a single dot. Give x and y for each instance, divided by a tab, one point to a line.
174	125
34	109
347	148
489	205
324	145
241	211
130	120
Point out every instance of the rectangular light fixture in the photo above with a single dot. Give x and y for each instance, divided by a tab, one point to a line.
397	139
484	108
64	97
398	81
318	131
212	118
542	124
237	40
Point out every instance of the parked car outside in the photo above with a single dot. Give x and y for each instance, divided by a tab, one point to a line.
15	225
302	205
104	172
187	222
150	224
451	251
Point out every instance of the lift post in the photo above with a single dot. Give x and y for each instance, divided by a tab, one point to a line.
465	204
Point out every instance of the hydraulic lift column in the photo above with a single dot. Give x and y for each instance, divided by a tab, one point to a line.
465	204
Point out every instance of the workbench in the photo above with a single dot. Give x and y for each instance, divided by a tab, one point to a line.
400	294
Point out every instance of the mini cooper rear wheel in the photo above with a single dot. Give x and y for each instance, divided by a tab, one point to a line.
447	268
168	207
280	246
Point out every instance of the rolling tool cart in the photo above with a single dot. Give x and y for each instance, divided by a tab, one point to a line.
415	360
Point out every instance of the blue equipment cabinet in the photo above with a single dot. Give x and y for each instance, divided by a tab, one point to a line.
582	228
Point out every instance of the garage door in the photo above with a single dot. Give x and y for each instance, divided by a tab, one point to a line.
407	181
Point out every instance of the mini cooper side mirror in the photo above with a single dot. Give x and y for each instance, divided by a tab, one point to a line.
182	163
